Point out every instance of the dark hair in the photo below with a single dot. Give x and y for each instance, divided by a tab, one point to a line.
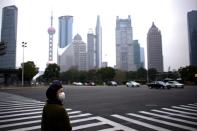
52	90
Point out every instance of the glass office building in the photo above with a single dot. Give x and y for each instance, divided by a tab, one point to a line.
124	45
154	48
9	37
98	43
192	36
65	30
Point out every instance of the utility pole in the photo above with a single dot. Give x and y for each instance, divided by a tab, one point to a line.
24	44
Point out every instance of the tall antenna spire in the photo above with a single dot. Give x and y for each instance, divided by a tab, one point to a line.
51	18
51	32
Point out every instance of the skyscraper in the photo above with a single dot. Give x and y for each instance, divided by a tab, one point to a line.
98	43
91	50
142	59
80	54
192	35
124	46
154	48
136	53
65	40
65	30
51	32
9	36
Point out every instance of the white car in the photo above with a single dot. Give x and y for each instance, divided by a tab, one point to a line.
132	84
77	83
174	84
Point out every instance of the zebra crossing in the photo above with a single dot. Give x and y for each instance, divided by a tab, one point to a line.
19	113
183	117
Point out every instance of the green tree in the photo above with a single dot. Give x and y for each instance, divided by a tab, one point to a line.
92	75
120	76
52	72
131	75
106	74
152	74
141	74
188	73
30	70
70	76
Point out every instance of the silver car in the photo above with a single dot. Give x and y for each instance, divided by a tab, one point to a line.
132	84
174	84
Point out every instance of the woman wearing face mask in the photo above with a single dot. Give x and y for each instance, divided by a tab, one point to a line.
54	116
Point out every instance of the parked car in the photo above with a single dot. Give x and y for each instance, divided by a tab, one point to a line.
158	85
90	84
132	84
174	84
77	83
112	83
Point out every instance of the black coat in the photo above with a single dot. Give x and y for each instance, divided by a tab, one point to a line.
55	118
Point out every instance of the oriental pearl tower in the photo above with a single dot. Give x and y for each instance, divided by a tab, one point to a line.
51	32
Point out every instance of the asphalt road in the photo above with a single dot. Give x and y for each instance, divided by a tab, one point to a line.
104	101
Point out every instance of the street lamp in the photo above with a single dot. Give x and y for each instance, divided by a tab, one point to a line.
147	76
24	44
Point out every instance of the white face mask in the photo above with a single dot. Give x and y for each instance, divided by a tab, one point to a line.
61	96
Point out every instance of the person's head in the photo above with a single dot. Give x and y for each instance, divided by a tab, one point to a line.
55	91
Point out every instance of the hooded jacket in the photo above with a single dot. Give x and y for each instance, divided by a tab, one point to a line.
54	116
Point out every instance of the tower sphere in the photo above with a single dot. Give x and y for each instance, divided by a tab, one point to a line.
51	30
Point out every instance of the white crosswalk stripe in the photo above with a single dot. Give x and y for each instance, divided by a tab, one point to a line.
164	119
175	114
188	109
19	113
169	118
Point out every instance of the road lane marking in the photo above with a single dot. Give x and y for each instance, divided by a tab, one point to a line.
189	106
18	111
20	123
19	108
87	126
74	112
140	123
163	122
175	114
116	125
27	128
19	104
184	108
21	101
21	118
192	104
183	112
102	120
81	115
21	114
169	118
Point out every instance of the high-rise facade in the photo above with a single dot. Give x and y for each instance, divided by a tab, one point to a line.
51	32
136	53
80	53
9	36
65	50
91	50
154	48
66	58
124	46
192	35
142	58
65	30
98	43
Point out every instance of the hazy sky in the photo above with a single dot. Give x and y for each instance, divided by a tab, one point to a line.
170	16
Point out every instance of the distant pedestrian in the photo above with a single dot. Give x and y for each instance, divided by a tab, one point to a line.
54	116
